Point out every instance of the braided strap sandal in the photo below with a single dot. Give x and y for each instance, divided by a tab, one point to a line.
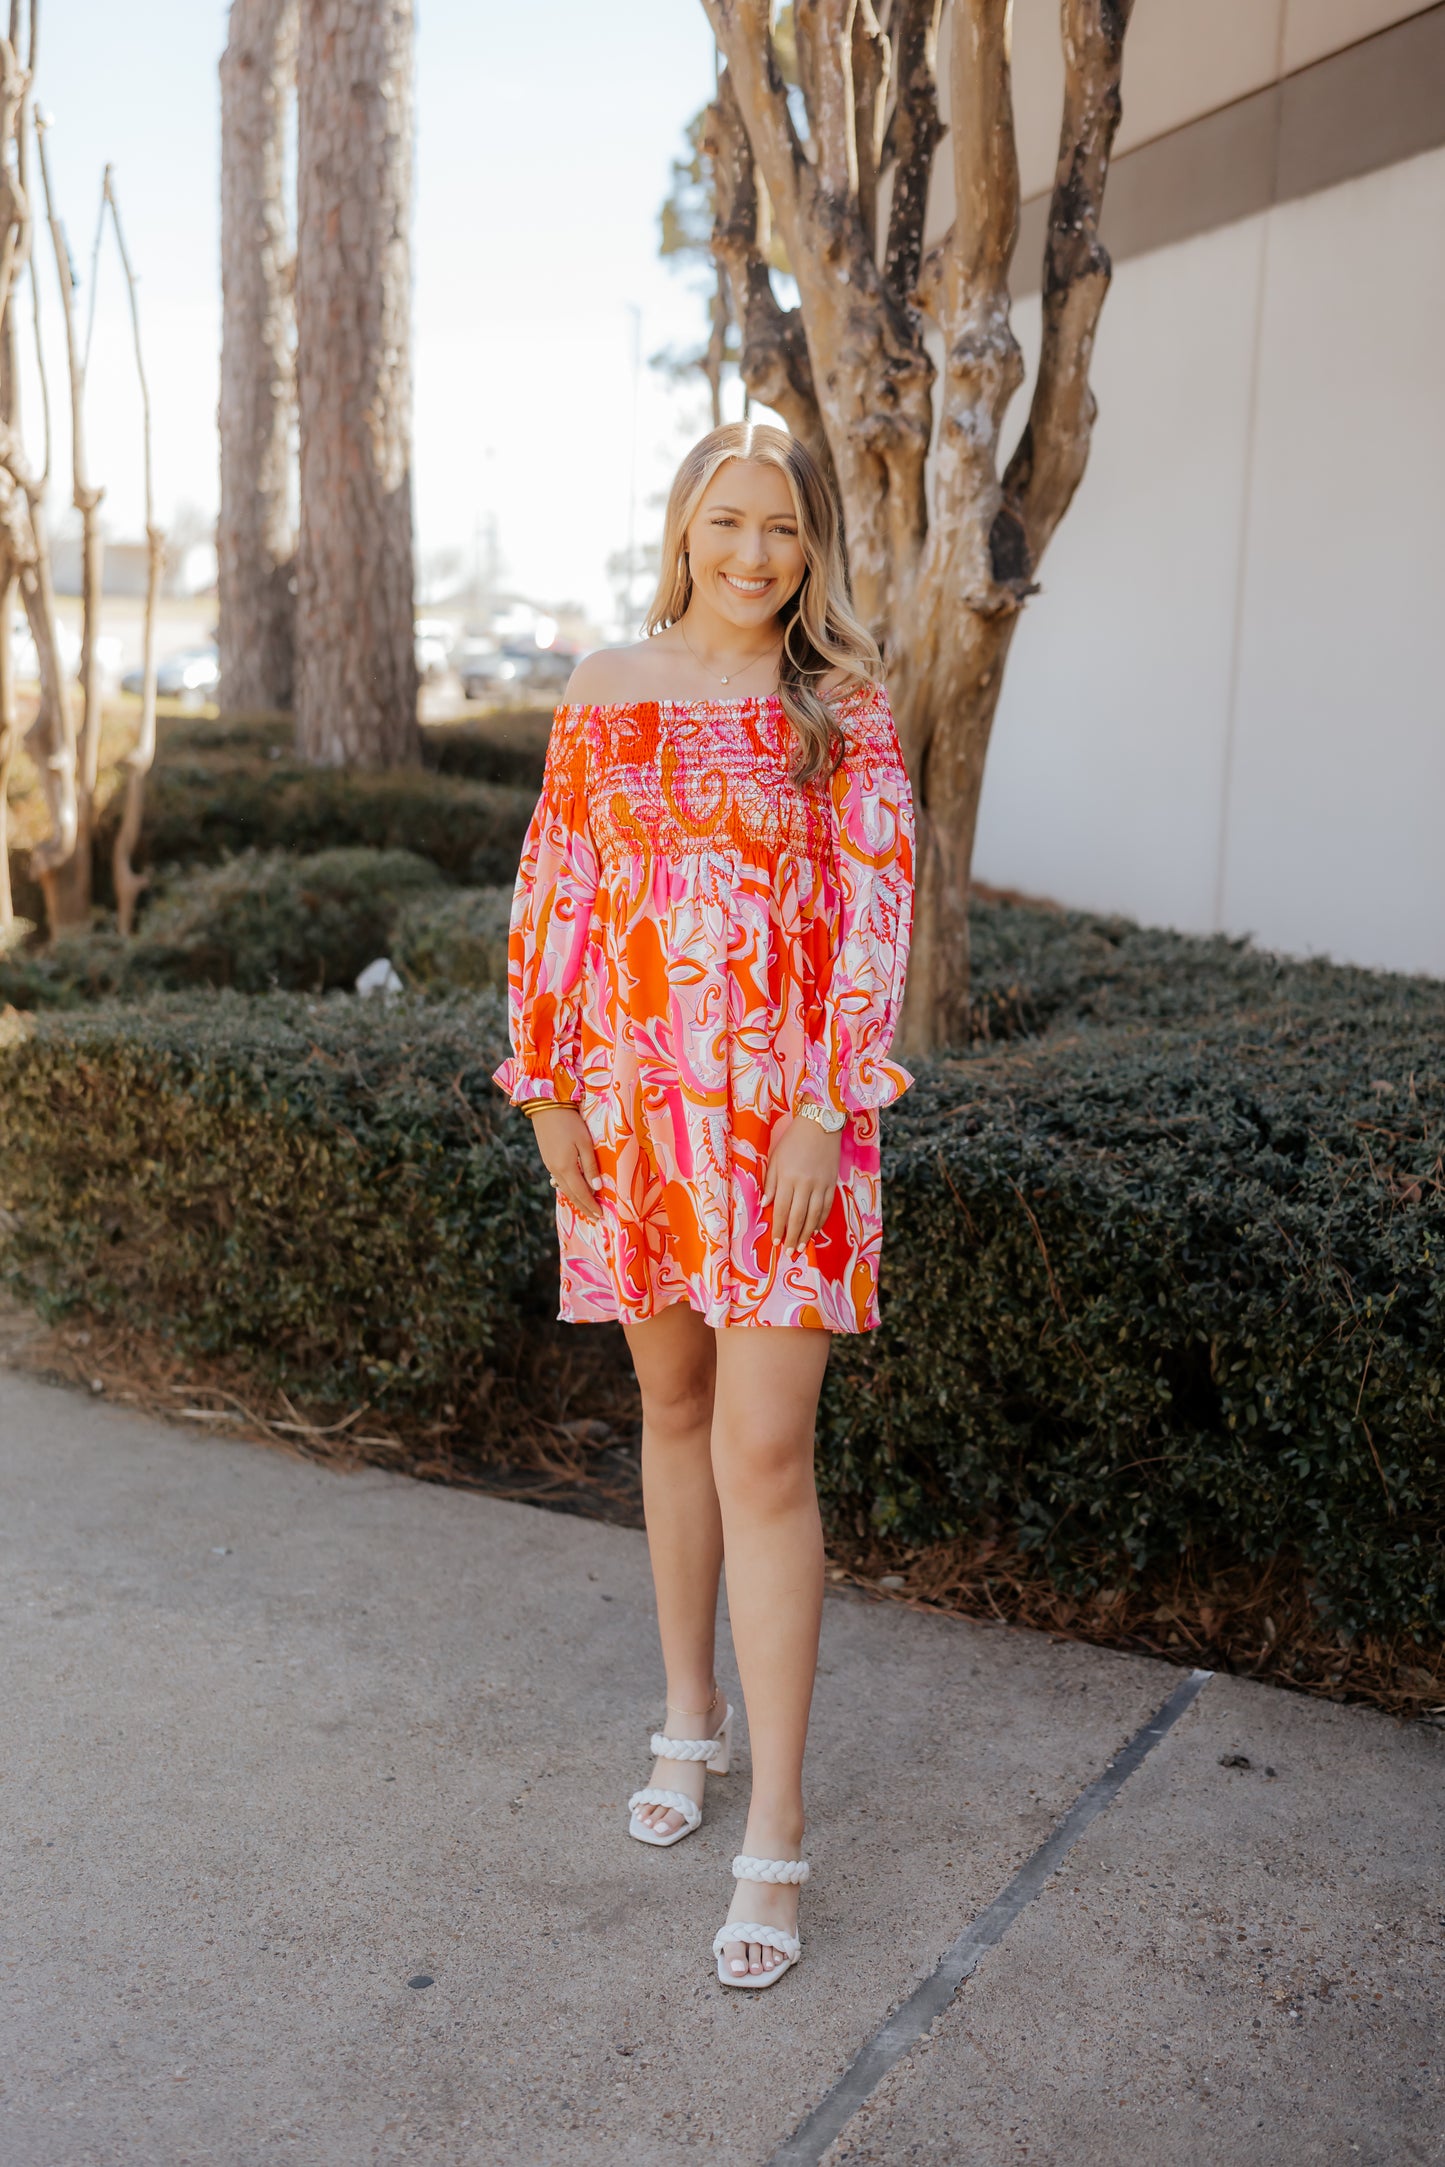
788	1946
716	1753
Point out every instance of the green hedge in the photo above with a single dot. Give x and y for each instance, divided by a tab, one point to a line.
333	1189
258	922
196	814
454	941
220	789
1037	968
507	746
1149	1288
1148	1283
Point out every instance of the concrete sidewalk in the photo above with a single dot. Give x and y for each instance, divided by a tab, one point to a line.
278	1741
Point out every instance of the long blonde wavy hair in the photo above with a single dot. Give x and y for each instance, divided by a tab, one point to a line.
820	632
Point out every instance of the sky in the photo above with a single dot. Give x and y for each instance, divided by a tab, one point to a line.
545	134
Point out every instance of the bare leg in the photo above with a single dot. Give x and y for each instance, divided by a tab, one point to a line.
765	1409
673	1354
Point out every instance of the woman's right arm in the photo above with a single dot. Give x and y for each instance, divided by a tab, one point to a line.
551	918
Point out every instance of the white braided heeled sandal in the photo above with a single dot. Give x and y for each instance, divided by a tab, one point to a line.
716	1753
788	1946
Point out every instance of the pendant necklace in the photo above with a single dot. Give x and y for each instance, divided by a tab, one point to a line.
697	658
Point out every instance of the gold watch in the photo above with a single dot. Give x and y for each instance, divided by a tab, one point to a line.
827	1117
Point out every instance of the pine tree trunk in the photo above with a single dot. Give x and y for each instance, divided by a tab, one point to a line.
255	537
356	687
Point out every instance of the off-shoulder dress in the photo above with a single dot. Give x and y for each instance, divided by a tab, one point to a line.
697	943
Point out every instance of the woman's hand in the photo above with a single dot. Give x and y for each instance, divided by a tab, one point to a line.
565	1142
801	1178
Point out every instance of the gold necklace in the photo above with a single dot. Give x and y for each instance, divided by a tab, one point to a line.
697	658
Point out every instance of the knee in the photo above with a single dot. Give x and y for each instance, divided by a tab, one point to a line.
763	1471
679	1409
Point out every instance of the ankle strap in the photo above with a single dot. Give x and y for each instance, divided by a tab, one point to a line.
778	1870
683	1749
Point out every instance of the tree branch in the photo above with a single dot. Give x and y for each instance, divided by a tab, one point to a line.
871	62
774	357
985	160
14	209
85	496
129	884
824	32
970	275
1049	463
914	133
742	30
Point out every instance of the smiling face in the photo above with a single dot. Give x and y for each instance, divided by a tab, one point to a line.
743	547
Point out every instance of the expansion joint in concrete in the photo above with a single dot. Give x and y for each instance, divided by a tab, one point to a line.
915	2018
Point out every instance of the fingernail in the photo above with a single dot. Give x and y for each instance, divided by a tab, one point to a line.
737	1965
596	1181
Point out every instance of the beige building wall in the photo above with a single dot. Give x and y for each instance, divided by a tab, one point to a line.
1226	710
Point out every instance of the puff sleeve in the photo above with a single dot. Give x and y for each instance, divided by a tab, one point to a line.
846	1065
552	905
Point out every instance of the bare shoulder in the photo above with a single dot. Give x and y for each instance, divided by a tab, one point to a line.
609	675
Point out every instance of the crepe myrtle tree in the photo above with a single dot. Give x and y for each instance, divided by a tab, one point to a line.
944	542
66	754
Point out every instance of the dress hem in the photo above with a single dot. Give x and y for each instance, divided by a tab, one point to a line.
718	1321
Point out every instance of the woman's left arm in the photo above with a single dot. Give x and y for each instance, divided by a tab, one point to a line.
847	1062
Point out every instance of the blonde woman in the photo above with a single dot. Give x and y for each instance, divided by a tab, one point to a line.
709	936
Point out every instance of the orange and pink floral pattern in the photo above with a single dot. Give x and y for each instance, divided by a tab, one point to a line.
697	943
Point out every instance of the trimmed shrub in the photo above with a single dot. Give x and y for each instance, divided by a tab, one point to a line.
454	940
1151	1289
1147	1285
254	923
1036	967
508	746
334	1189
198	813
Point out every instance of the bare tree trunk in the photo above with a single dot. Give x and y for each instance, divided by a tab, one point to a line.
989	534
71	898
255	537
14	217
130	885
774	361
871	373
714	360
356	686
51	737
9	738
942	584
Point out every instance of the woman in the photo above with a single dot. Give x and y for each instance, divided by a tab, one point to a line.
709	936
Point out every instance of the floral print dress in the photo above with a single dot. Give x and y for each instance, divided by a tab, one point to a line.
696	944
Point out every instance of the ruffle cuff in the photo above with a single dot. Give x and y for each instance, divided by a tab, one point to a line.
860	1087
547	1087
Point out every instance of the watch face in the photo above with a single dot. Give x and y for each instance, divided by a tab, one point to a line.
827	1117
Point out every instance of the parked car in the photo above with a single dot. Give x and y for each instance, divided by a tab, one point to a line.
486	672
435	639
191	675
